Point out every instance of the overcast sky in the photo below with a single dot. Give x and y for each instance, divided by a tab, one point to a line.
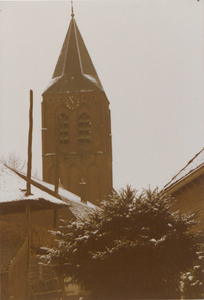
149	57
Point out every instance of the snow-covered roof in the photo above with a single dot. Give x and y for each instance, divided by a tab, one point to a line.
193	167
13	187
78	208
62	192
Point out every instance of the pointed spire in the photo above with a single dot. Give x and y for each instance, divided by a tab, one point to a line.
72	14
74	71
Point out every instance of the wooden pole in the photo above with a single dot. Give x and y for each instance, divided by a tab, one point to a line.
29	165
28	211
57	157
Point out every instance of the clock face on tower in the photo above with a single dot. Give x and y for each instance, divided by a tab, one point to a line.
72	102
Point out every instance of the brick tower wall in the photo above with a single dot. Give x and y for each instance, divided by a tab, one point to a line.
91	162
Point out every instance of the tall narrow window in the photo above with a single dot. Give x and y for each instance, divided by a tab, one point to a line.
64	129
84	128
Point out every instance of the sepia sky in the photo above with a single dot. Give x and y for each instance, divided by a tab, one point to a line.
149	57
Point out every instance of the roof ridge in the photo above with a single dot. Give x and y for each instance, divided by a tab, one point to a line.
77	44
68	37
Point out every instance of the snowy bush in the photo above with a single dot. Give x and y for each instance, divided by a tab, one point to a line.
133	247
192	281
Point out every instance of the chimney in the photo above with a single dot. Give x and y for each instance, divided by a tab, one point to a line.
82	186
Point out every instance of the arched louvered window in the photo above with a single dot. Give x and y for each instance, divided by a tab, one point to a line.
64	129
84	128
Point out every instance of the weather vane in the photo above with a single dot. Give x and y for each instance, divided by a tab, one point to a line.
72	9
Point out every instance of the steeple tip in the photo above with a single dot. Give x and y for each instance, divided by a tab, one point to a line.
72	9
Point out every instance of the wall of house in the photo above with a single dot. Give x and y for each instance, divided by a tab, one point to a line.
17	274
190	198
4	287
40	223
43	218
15	228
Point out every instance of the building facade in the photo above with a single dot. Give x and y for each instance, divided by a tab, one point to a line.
187	189
26	223
76	136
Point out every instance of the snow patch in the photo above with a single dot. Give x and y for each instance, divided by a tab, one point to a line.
52	81
91	78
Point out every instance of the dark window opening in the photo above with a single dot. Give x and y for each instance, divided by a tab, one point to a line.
84	128
64	129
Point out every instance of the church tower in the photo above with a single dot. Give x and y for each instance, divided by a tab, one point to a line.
76	136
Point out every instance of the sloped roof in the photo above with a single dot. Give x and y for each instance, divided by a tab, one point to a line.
74	71
12	189
194	168
78	208
8	252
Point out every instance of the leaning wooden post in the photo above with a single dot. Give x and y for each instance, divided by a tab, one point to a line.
29	165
